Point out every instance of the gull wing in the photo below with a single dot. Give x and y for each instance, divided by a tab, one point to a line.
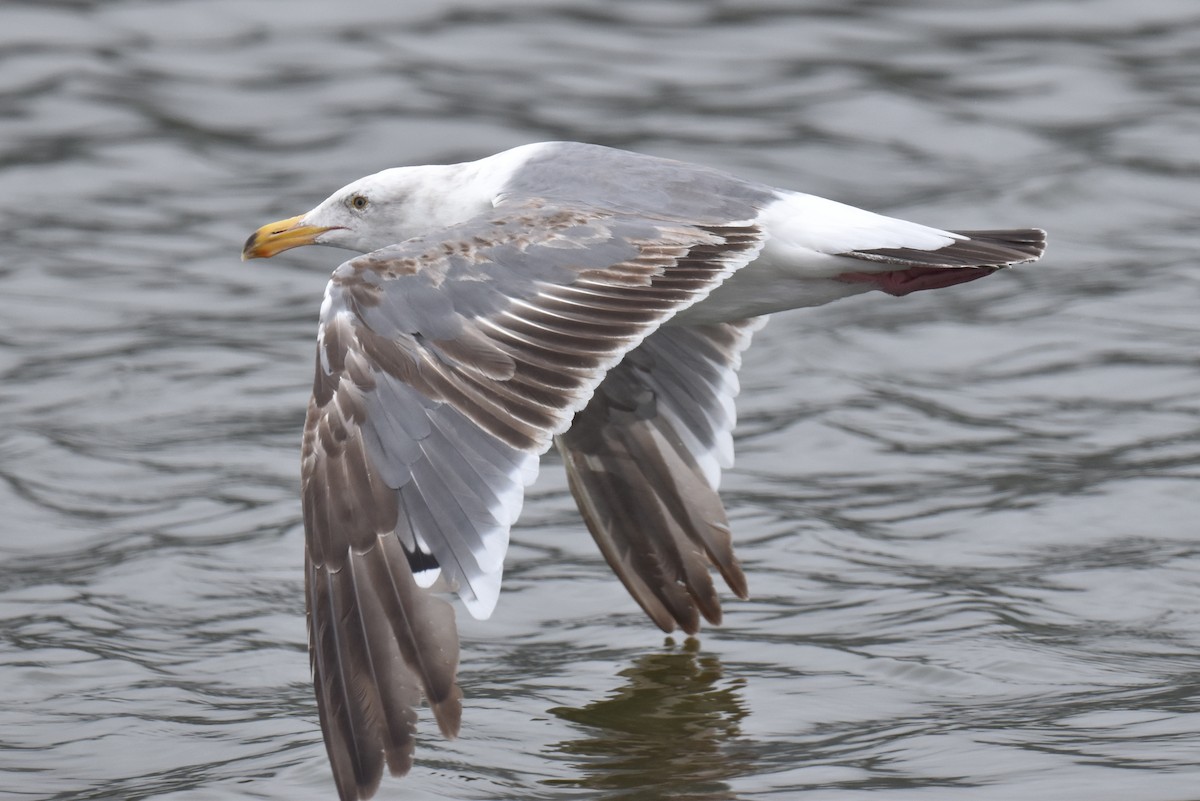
445	366
644	461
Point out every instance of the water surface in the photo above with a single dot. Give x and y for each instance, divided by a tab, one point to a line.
969	517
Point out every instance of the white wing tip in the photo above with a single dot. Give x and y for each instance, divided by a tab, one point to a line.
427	578
483	593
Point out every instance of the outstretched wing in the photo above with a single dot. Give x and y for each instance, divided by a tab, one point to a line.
444	368
644	461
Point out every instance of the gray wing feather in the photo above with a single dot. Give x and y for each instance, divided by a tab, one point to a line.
643	462
639	183
444	369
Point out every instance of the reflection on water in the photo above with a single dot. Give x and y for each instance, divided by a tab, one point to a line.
671	731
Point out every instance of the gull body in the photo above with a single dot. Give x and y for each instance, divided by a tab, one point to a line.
556	293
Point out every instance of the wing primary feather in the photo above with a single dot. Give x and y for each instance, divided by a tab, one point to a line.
389	678
638	565
426	635
357	767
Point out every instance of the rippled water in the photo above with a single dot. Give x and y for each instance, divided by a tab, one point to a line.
969	517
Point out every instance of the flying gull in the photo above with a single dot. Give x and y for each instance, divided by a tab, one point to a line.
554	293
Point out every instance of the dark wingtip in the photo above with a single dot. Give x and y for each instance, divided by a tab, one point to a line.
1018	244
985	248
448	713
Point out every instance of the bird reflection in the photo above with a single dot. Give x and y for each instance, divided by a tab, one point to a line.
671	732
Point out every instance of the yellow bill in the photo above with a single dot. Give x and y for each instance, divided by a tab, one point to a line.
279	236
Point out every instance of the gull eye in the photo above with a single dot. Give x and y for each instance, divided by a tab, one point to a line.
358	202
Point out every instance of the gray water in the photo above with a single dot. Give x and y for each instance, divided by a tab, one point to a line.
969	517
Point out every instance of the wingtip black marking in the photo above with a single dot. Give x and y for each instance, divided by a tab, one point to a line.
983	248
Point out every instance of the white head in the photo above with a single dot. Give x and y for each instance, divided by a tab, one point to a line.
377	211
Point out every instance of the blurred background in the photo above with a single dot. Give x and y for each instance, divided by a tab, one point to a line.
968	517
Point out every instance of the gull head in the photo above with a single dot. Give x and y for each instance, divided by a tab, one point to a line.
374	212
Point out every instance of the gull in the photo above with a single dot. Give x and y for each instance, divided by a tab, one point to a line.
556	293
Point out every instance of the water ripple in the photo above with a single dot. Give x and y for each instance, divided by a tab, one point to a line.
968	520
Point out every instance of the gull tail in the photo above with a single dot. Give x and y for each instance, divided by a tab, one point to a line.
975	255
